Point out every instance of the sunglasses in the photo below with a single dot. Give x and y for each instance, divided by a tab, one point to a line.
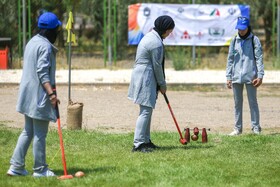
243	18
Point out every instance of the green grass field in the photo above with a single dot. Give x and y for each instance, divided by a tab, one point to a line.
106	159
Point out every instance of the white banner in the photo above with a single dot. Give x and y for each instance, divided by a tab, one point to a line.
195	25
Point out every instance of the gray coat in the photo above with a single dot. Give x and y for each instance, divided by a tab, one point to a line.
148	71
242	65
39	67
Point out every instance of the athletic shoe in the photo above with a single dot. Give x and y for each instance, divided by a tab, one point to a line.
142	148
47	173
151	145
257	132
11	172
235	133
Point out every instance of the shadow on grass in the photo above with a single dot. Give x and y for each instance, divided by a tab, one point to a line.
87	171
186	147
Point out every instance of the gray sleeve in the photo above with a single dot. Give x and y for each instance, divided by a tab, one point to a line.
230	60
43	64
259	57
157	58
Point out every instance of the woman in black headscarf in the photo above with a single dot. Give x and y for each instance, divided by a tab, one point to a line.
147	79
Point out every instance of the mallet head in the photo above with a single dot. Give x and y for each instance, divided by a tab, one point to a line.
64	177
183	141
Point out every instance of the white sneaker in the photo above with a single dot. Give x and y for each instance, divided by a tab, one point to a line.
257	132
11	172
47	173
235	133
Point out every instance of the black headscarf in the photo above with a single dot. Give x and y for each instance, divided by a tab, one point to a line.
163	23
50	34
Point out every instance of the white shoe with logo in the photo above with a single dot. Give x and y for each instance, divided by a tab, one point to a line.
47	173
12	172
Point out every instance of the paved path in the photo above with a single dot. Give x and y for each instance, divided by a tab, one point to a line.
108	109
104	76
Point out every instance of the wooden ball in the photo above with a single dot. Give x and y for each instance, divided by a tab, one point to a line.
79	174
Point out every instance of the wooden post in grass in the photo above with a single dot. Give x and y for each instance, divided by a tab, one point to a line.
74	110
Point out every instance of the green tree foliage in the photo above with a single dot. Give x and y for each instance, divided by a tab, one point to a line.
265	13
8	20
38	7
92	14
92	11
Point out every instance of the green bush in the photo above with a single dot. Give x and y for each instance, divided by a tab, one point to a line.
180	58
